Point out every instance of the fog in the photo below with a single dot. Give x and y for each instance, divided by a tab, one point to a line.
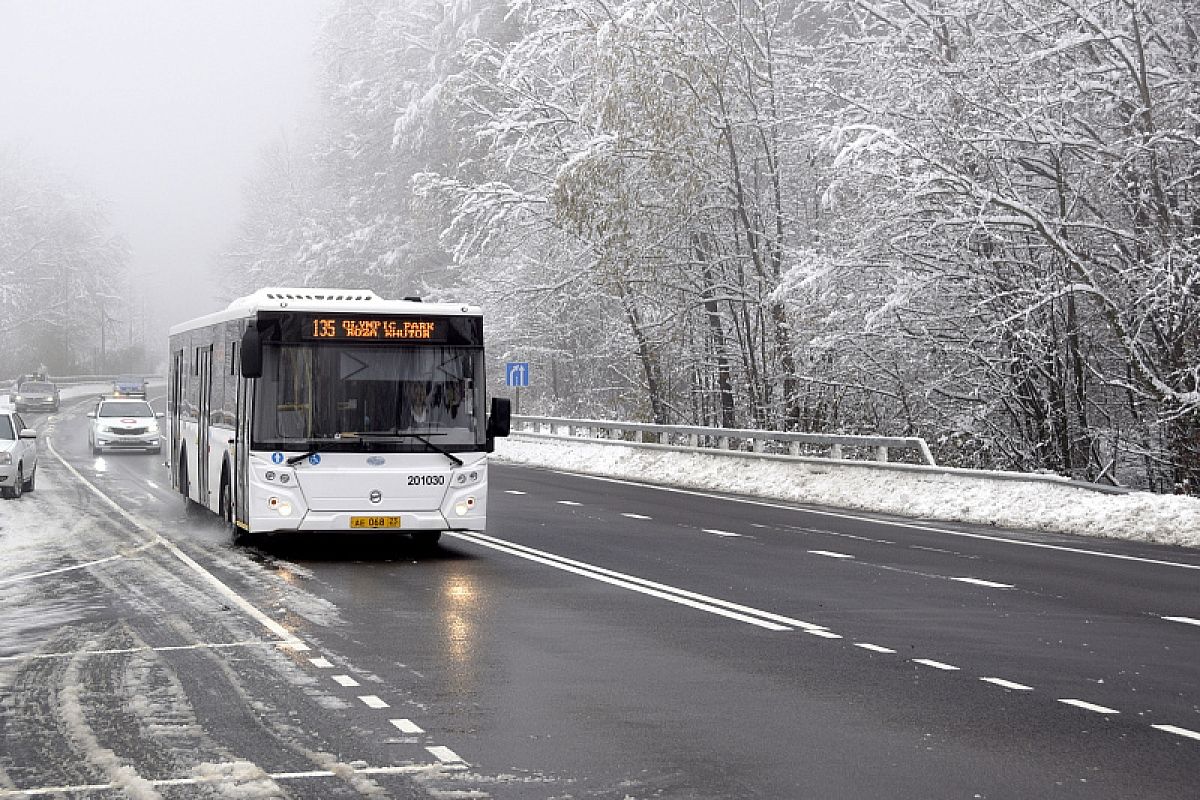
160	110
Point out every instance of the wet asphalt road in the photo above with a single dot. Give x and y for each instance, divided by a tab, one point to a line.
603	640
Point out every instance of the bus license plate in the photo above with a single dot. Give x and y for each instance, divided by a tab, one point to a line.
374	522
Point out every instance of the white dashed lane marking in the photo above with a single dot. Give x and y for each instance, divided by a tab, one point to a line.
874	648
567	503
716	532
824	634
1020	687
512	491
321	663
1177	731
1184	620
980	582
929	662
345	680
445	755
372	701
1089	706
829	554
406	726
635	516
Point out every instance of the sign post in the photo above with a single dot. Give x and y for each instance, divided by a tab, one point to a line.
516	374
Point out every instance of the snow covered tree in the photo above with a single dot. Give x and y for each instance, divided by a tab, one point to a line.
1044	156
62	273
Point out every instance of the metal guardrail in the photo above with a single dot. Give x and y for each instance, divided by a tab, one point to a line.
75	380
833	446
750	443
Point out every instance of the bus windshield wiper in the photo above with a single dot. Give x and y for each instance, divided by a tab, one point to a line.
420	437
294	460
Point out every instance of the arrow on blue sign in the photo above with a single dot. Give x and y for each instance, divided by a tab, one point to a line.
516	373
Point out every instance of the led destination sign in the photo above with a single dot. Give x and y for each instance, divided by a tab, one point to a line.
376	329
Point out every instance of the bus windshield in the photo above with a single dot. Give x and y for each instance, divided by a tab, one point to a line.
346	396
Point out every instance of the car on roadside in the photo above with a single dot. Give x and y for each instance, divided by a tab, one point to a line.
36	396
124	424
18	455
129	386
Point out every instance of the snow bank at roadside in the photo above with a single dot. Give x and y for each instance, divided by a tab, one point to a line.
1138	516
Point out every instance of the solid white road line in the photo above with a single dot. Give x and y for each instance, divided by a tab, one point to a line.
445	755
1177	731
88	565
829	554
292	642
1089	706
406	726
345	680
713	605
1184	620
1020	687
874	648
989	584
213	780
929	662
371	701
126	650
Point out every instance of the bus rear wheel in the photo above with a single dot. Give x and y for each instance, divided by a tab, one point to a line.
189	506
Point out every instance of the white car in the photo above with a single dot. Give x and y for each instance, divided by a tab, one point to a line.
18	455
124	425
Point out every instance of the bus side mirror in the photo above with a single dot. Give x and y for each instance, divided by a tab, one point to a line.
500	420
251	353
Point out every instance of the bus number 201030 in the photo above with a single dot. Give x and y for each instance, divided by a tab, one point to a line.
426	480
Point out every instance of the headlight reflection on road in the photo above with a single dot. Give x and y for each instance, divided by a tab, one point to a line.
460	604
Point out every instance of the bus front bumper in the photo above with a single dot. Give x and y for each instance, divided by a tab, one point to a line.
342	521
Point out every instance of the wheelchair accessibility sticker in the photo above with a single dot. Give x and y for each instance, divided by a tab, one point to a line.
314	459
276	458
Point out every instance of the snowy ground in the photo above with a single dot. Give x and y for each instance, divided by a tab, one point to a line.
1138	516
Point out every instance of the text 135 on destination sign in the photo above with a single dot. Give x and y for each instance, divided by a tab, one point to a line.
372	328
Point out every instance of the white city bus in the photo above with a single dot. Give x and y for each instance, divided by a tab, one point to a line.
333	410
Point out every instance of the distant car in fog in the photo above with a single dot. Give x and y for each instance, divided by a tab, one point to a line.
36	396
21	380
18	455
129	386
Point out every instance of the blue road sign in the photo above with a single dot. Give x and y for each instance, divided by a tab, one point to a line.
516	373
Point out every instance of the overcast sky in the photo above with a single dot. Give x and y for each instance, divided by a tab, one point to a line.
159	107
